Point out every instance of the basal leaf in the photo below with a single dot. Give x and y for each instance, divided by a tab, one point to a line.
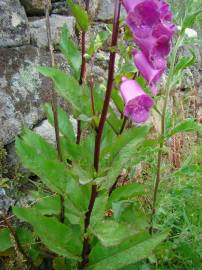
54	174
58	237
111	233
42	147
28	243
49	205
5	240
127	192
129	252
99	208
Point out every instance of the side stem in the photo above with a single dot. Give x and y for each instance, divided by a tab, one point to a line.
83	70
54	101
163	129
94	193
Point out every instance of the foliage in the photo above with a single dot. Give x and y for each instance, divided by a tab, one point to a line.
115	219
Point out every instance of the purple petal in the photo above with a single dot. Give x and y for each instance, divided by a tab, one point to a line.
138	103
151	74
146	13
129	5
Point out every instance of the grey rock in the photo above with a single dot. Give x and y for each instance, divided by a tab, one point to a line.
39	34
34	7
45	130
5	202
14	27
105	10
22	89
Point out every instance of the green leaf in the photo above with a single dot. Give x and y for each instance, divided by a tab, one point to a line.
42	147
111	233
99	208
114	121
127	192
5	240
129	252
70	51
185	62
119	207
80	14
97	42
190	19
124	139
65	124
130	213
188	125
70	149
49	205
122	153
56	236
118	101
66	86
108	136
28	243
54	174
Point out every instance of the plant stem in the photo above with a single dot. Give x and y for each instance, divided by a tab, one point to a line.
109	84
54	97
163	128
91	82
123	125
83	70
54	101
94	193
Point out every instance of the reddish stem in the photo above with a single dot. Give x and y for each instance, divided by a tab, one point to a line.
109	83
92	86
86	245
83	70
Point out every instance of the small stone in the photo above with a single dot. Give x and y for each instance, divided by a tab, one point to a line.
45	130
39	32
5	202
105	11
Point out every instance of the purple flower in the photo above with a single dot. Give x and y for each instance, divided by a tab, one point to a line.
150	23
151	74
137	103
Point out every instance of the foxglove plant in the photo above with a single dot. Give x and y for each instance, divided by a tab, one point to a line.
83	218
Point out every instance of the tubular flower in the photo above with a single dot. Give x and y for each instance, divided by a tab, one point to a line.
151	74
137	103
150	23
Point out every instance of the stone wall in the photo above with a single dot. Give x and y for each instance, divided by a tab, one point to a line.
23	46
